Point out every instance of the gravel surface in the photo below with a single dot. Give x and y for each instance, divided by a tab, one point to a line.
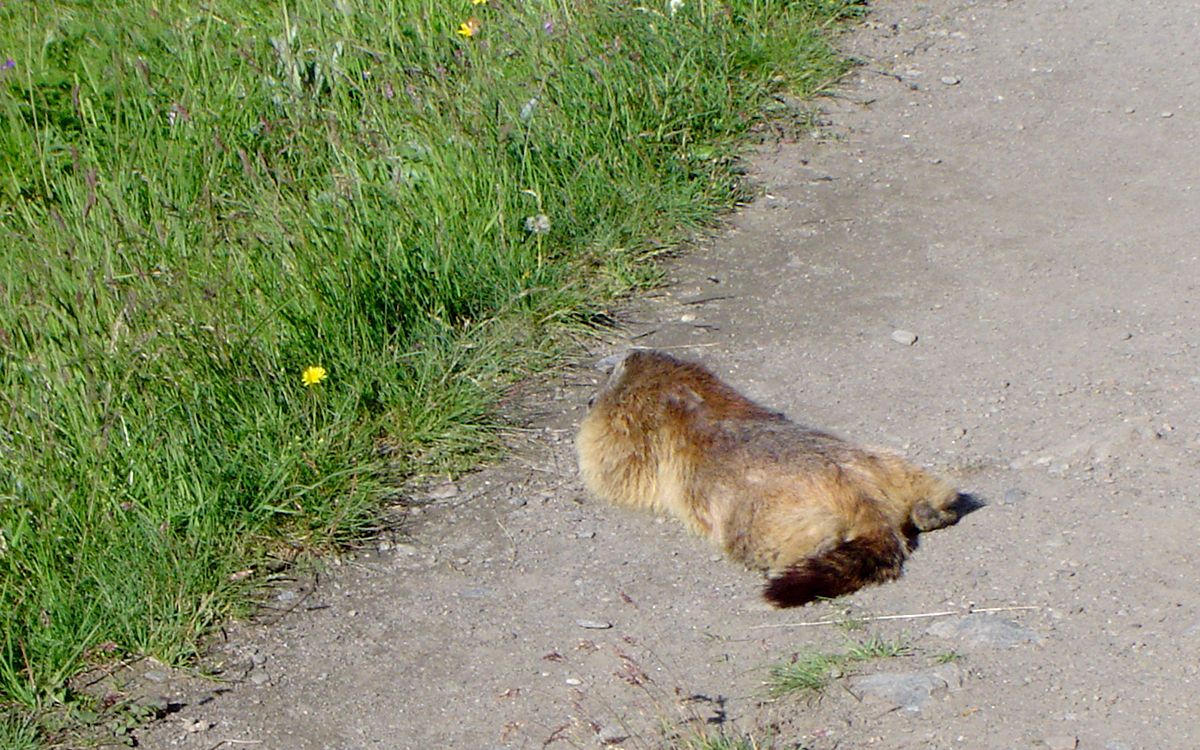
990	263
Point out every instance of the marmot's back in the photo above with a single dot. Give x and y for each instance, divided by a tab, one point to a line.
821	516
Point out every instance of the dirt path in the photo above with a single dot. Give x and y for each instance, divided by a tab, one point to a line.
1015	183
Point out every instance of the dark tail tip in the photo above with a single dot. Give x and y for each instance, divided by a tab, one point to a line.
802	584
848	567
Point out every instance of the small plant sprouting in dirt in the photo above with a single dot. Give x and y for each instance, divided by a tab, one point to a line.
878	648
851	624
724	741
808	673
811	672
948	657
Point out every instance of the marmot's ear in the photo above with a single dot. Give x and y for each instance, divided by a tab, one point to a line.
684	397
611	362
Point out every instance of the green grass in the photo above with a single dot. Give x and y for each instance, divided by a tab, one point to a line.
17	733
723	741
197	201
810	672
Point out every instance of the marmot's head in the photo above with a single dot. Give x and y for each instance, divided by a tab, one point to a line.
613	366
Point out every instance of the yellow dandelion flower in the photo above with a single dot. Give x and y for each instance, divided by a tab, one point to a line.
313	375
469	27
479	2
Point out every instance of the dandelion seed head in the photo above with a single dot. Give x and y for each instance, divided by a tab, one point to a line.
537	224
528	109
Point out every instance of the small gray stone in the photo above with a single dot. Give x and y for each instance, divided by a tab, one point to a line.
154	675
260	677
158	704
573	681
611	735
443	491
286	596
951	80
197	725
585	535
900	336
517	501
594	624
1013	495
1166	114
1062	742
908	690
980	630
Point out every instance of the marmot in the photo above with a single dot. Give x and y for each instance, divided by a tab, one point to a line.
820	516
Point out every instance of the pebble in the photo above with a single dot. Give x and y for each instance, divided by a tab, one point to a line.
900	336
611	735
1062	742
585	535
260	678
983	631
1013	496
594	624
517	501
158	704
1167	114
951	80
286	596
910	691
155	676
198	725
573	682
443	491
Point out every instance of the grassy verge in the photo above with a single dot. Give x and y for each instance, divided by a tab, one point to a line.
200	201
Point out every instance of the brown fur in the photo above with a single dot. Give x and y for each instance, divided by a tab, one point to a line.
820	516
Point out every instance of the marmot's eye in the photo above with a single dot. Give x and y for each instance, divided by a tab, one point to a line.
591	401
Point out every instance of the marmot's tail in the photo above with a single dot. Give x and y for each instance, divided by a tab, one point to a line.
871	558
